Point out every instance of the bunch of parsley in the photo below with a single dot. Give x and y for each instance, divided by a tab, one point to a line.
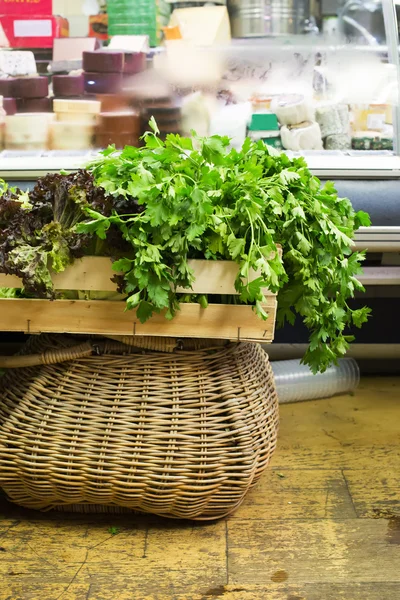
198	198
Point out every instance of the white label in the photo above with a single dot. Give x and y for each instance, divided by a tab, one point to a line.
131	43
376	121
34	28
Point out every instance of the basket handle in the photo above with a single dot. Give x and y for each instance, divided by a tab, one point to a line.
49	357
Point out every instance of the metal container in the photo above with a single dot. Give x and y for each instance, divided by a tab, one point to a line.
255	18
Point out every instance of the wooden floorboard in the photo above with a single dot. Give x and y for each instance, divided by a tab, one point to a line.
322	524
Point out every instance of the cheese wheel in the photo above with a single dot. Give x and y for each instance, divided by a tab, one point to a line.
71	136
68	85
33	105
292	109
107	61
120	140
102	83
134	62
29	128
76	106
7	87
113	102
31	87
119	122
305	136
10	106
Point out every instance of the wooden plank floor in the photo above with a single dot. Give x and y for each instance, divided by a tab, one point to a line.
323	524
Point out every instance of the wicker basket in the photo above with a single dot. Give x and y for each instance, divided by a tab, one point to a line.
182	433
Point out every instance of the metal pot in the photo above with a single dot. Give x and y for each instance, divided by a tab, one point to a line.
255	18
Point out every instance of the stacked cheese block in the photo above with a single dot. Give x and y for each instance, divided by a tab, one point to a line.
106	70
75	123
32	94
166	111
120	128
299	130
264	126
14	65
68	86
90	109
334	123
7	91
24	92
28	131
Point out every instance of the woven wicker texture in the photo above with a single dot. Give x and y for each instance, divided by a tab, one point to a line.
182	434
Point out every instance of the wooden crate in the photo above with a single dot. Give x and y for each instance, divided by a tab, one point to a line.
110	317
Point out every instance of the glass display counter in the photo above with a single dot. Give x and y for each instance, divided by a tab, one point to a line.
319	79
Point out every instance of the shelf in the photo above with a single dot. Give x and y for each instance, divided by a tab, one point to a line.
380	276
378	239
31	165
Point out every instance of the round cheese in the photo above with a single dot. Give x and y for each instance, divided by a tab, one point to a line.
28	128
68	85
71	136
31	87
113	102
106	61
33	105
76	106
10	106
119	122
134	62
304	136
7	87
102	83
167	115
292	109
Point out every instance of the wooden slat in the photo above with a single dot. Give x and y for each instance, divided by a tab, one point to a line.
217	321
94	273
217	277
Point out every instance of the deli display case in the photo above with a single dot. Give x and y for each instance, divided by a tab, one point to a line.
318	79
